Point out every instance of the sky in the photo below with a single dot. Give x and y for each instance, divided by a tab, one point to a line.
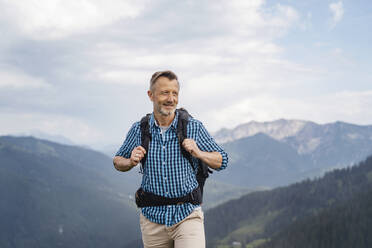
81	69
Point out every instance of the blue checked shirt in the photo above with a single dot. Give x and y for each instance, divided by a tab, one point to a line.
167	172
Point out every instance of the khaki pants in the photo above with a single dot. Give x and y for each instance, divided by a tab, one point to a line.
188	233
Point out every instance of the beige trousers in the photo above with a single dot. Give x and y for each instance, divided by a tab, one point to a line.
188	233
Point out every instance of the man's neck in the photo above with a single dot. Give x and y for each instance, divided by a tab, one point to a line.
164	120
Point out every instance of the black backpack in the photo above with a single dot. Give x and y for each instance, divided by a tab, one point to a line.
145	199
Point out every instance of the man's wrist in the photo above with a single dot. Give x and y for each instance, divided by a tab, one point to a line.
200	154
132	163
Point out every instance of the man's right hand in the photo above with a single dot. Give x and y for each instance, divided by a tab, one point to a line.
137	154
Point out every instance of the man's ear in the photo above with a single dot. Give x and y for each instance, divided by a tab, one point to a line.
150	94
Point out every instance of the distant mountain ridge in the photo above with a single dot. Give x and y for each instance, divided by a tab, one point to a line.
284	151
277	129
307	134
70	196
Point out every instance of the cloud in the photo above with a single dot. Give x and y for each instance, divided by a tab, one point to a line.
14	79
337	10
348	106
87	64
252	18
55	19
74	128
99	57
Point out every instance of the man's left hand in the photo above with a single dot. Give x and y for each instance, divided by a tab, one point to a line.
191	146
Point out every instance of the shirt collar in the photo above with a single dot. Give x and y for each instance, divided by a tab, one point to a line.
153	123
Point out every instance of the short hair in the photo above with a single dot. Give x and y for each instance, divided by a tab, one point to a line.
168	74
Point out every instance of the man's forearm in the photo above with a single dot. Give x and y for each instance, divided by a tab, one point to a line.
122	164
212	159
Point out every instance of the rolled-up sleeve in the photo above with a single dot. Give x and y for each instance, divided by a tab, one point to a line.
206	143
131	141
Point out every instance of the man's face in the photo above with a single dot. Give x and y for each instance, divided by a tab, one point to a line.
164	96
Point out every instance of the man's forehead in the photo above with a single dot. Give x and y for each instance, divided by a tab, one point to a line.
164	81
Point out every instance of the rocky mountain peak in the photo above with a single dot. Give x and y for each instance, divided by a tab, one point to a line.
278	129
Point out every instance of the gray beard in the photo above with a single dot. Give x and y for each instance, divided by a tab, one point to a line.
166	113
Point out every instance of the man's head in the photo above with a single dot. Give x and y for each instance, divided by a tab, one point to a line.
163	92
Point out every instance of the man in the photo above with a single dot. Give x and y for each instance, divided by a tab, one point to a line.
167	173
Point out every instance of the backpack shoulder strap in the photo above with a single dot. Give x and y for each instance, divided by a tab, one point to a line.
203	170
145	137
183	120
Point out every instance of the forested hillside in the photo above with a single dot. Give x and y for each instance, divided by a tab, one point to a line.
61	196
345	225
257	217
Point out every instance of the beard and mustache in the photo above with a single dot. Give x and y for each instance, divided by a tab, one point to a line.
164	111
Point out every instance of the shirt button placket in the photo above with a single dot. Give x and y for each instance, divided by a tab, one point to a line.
164	169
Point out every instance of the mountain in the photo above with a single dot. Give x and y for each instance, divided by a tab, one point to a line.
259	216
278	130
260	161
281	152
56	195
46	136
342	226
59	195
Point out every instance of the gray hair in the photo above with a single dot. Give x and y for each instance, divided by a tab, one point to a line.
168	74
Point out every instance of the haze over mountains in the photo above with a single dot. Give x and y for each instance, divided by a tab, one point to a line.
270	154
59	195
56	195
69	196
275	153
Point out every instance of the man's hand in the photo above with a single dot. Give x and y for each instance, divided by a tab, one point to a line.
137	154
212	159
125	164
191	146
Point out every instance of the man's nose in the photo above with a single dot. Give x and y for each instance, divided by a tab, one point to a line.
171	98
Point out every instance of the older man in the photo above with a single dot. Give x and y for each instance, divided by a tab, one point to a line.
171	214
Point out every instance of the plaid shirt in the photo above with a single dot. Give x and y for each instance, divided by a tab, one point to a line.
167	172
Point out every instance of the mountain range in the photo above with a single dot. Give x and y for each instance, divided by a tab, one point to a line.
312	213
270	154
68	195
55	195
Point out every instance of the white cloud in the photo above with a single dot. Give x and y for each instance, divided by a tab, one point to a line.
251	18
17	80
53	19
337	10
199	56
79	131
349	106
231	57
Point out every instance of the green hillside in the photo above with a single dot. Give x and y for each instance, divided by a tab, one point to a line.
61	196
255	218
261	161
346	225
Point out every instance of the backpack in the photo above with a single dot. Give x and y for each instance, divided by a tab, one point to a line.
144	199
